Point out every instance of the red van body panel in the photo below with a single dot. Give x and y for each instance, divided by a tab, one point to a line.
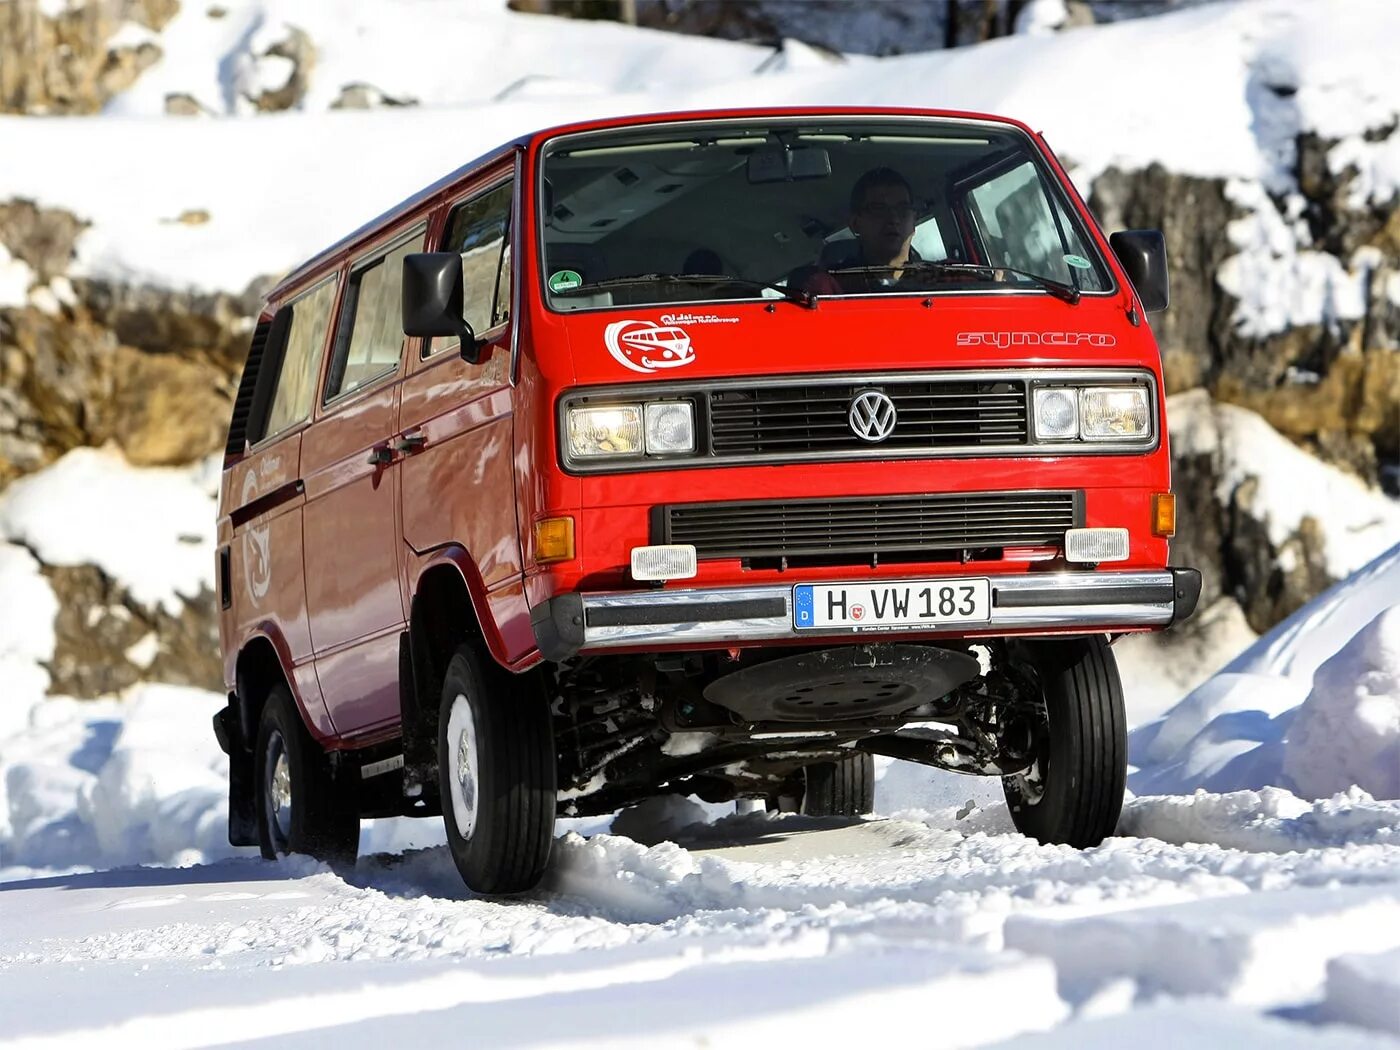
470	455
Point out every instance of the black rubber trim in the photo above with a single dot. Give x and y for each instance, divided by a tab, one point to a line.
697	612
1186	589
278	496
558	626
1141	594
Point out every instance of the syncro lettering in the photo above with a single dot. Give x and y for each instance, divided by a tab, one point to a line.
1003	340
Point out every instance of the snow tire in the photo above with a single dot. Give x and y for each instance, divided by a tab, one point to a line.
1074	793
497	773
844	788
301	807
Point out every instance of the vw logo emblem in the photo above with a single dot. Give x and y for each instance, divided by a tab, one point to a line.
872	416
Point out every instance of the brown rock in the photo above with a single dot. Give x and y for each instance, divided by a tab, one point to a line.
168	410
42	237
62	64
297	49
105	642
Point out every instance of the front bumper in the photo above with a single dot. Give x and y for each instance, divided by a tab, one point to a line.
1088	601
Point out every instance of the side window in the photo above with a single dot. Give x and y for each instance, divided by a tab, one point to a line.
479	229
370	338
301	360
1014	216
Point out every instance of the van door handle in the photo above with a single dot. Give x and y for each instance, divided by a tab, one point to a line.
381	456
412	441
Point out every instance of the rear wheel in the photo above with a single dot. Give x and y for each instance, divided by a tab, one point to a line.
844	787
497	774
299	806
1073	793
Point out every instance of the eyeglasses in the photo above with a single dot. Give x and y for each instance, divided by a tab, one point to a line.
888	211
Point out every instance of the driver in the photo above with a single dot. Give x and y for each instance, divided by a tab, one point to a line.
882	219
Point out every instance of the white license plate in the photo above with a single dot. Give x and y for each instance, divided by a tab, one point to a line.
897	603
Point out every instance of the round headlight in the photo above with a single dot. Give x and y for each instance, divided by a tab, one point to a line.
670	427
1056	413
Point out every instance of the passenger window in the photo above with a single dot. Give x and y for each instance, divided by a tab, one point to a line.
301	360
370	340
479	230
1018	229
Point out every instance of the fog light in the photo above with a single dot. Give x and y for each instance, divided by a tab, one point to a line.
554	539
1095	545
1163	514
673	561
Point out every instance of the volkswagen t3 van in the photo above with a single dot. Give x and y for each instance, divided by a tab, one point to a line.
705	453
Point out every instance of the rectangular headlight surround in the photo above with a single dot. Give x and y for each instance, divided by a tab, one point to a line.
1114	413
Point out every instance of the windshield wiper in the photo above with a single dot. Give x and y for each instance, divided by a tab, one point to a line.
1059	291
794	295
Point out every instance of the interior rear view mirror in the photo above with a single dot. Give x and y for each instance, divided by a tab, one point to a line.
1143	255
432	299
779	164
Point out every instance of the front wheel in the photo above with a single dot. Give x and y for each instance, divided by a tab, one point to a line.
1073	792
301	806
496	773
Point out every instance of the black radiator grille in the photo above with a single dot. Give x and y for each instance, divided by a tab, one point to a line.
895	528
763	420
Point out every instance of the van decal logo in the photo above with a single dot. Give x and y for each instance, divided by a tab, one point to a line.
257	548
644	346
1003	340
697	319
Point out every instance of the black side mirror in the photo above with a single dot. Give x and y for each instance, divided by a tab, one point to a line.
432	300
1143	254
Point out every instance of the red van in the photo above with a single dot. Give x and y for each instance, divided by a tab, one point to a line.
710	453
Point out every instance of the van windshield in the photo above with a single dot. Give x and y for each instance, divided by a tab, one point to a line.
761	210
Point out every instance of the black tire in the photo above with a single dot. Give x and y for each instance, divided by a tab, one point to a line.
844	788
301	805
507	801
1074	793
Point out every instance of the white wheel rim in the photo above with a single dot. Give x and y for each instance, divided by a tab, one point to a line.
278	791
463	779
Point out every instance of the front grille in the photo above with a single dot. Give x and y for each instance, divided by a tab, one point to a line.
938	527
779	419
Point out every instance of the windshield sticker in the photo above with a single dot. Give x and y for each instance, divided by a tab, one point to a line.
1079	262
697	319
645	346
565	280
1003	340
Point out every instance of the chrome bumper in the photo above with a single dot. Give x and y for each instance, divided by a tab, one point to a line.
1091	601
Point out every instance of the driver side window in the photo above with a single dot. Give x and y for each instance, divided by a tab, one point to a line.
479	231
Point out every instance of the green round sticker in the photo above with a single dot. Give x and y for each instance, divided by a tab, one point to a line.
1079	262
563	280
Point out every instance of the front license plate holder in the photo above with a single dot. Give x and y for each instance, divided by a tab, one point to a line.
891	604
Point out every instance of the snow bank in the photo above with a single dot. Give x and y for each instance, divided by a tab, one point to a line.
1260	949
1364	990
1271	820
1348	729
150	529
1269	716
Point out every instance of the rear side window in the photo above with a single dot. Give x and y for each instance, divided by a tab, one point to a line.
1013	215
301	358
479	230
370	339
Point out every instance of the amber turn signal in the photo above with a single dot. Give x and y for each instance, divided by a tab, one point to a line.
1163	514
554	539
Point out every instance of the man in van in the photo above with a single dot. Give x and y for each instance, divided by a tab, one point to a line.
882	219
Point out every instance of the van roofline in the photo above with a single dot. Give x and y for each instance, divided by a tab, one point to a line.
533	139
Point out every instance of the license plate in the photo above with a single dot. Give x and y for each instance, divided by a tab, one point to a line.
899	603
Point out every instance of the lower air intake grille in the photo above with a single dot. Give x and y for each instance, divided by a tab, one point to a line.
889	528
